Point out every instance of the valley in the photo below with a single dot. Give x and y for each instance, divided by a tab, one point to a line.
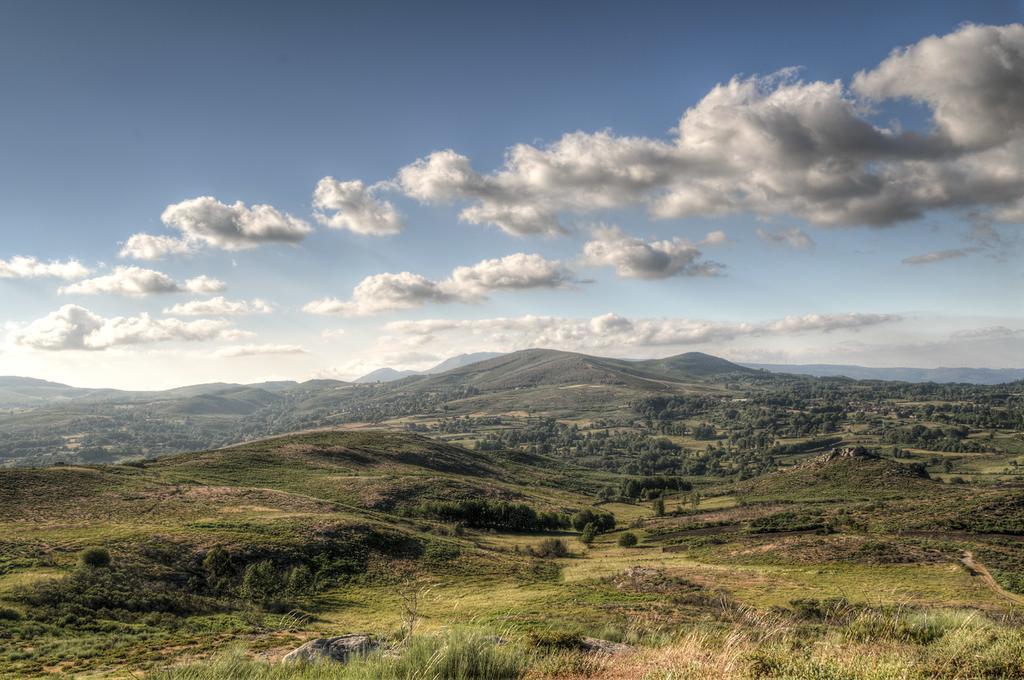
784	526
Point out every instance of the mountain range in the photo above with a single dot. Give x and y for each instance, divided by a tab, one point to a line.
976	376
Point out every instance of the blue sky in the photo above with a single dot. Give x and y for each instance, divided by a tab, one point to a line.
112	112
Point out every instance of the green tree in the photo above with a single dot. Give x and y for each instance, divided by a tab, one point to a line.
589	534
627	540
218	568
260	581
659	507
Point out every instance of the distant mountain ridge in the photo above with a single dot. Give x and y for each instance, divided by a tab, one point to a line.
388	374
976	376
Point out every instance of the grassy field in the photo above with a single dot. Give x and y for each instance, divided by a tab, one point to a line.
837	566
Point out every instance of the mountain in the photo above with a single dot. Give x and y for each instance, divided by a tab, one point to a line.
461	360
976	376
388	374
693	365
384	375
533	368
16	392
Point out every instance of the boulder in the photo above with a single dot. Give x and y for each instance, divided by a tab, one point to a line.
598	646
335	649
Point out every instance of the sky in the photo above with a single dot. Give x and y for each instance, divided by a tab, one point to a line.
242	191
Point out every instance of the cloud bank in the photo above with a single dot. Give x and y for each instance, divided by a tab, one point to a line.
779	145
76	328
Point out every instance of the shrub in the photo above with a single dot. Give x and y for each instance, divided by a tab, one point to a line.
589	534
218	568
94	558
260	581
627	540
549	547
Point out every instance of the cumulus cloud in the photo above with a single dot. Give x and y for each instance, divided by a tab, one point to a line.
76	328
405	290
205	221
132	281
936	256
219	306
779	145
633	258
20	267
381	293
139	282
792	237
972	80
352	205
151	247
614	331
204	284
256	350
512	272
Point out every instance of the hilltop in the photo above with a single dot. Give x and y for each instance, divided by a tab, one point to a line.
387	374
843	474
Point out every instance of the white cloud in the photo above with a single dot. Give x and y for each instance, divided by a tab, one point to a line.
20	267
150	247
633	258
352	205
405	290
72	327
381	293
329	334
778	145
257	350
936	256
972	80
132	281
611	331
716	238
205	284
518	271
792	237
219	306
139	282
207	221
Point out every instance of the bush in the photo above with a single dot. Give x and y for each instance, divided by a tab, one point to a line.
260	581
94	558
549	547
218	568
589	534
627	540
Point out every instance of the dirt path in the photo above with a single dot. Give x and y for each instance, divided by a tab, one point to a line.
978	569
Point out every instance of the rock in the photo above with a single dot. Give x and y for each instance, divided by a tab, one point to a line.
336	648
598	646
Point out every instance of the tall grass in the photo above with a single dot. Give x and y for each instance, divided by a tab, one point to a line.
458	655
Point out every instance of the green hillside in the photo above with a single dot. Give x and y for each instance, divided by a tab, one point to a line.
260	546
